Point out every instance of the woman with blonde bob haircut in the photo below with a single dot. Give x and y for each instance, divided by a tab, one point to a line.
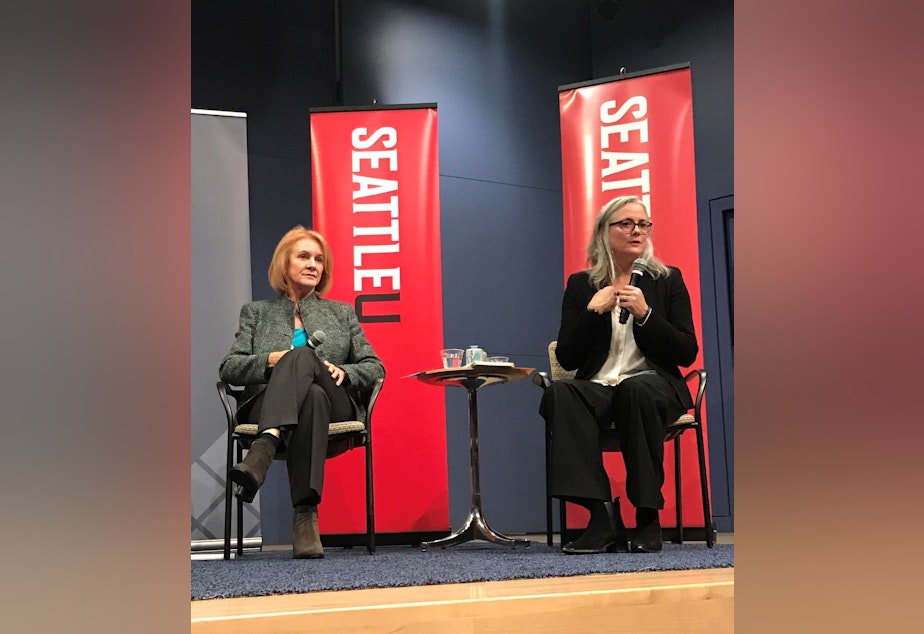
277	267
293	391
627	375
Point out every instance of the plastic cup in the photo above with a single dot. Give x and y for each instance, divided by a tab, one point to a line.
452	357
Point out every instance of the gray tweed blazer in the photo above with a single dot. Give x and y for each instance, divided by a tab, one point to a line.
268	325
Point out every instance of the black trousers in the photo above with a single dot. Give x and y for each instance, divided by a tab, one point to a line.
639	409
302	400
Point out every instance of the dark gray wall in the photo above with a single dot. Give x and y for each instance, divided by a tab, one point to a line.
274	61
493	69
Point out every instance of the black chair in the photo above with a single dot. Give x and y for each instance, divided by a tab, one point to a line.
610	442
343	436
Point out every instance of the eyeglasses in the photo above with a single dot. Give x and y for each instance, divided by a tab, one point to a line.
626	226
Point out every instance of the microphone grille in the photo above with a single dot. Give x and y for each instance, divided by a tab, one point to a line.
640	264
318	337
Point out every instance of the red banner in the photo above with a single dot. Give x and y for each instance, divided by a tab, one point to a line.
375	197
633	136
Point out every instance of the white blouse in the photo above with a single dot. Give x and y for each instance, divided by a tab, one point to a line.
625	360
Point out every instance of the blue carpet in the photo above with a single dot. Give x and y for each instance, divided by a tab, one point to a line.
275	572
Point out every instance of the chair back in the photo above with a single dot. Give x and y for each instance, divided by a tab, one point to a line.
558	372
229	396
346	435
342	435
367	398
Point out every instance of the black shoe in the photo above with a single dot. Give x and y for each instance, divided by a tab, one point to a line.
601	539
647	538
249	474
621	543
592	541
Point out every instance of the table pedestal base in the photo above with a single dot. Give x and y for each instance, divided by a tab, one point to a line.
474	527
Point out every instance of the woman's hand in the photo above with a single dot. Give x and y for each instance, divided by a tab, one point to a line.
335	373
274	358
632	298
603	300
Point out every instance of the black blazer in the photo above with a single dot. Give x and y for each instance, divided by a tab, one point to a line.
667	339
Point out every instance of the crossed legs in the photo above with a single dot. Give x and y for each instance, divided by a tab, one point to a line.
295	410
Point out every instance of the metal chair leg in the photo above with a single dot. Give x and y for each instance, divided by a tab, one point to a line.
704	484
228	500
240	513
678	488
548	500
370	499
563	521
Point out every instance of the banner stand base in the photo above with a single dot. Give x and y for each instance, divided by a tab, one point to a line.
214	548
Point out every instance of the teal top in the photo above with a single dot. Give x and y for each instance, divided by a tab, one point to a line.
299	338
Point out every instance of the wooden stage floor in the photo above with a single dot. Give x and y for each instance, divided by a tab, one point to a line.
663	601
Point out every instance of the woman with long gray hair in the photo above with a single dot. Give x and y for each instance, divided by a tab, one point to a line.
626	341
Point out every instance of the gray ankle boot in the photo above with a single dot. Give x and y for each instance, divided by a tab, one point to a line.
251	471
306	539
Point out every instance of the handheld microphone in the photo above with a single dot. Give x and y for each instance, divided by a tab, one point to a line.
638	270
316	338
